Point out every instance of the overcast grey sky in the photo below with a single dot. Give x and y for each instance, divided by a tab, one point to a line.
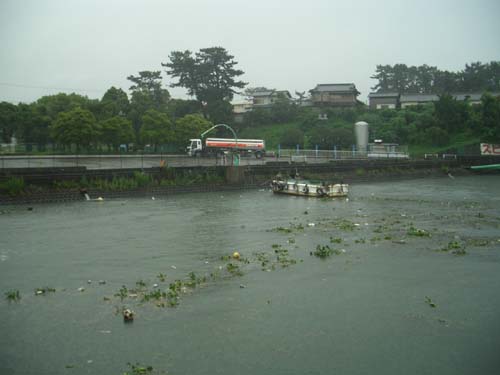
49	46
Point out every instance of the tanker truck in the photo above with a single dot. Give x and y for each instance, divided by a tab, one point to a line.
215	146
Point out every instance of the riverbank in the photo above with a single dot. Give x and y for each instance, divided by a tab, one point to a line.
248	179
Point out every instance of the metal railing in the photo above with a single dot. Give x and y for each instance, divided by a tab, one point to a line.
128	161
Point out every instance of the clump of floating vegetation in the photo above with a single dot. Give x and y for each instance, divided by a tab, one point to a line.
293	227
283	257
138	369
451	246
122	293
234	269
412	231
345	225
430	302
13	296
335	240
324	251
171	296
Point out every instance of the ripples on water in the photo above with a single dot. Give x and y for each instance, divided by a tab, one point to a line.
363	311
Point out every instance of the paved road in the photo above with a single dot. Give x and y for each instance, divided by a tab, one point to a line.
123	161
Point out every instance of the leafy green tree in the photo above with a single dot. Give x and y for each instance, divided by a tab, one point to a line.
257	117
451	115
77	126
149	83
189	126
210	75
326	136
491	118
146	93
116	131
52	105
31	126
178	108
8	113
292	138
220	112
156	128
446	82
383	76
114	103
283	110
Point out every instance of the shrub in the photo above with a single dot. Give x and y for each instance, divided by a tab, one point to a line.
13	186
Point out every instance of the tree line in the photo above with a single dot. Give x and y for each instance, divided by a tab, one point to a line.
148	116
425	79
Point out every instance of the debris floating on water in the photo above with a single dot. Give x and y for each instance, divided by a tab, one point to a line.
128	315
81	289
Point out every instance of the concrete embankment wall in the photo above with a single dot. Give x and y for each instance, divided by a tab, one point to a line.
348	171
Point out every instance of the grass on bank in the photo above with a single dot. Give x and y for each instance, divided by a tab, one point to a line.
14	186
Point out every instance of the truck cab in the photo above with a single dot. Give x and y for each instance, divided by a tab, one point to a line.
195	148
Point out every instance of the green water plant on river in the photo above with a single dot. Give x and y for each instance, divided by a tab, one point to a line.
412	231
234	269
325	251
140	284
13	296
122	293
335	240
322	251
138	369
430	302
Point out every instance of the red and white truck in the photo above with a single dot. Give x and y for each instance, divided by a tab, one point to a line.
214	146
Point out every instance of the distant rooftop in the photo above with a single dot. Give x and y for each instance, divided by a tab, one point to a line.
335	87
421	98
383	94
271	93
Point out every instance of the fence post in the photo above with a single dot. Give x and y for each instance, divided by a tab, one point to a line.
316	151
353	151
335	151
298	152
279	151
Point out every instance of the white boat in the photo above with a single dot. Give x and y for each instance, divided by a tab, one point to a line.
308	188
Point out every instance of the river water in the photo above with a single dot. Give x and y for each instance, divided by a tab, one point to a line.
412	286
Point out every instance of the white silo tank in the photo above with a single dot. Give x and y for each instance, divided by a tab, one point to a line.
361	132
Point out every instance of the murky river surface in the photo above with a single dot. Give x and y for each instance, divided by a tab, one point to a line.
395	297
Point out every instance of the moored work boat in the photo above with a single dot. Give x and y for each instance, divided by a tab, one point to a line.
308	188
